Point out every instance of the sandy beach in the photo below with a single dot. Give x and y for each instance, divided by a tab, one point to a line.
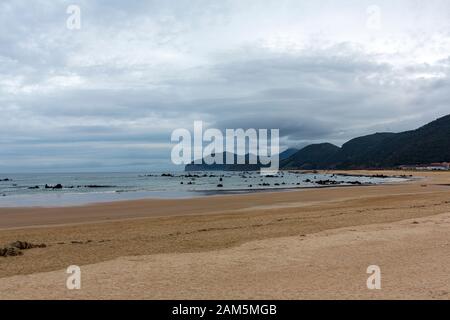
281	245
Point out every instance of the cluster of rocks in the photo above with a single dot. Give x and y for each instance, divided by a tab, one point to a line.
10	252
354	182
58	186
15	248
95	186
200	176
194	177
380	176
248	175
328	182
188	175
83	242
334	182
167	175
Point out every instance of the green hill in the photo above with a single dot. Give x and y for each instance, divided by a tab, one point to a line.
312	157
430	143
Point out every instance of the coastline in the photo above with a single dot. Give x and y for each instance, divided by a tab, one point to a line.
148	229
69	190
37	216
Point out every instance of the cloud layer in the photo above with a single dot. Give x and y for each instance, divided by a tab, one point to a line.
107	96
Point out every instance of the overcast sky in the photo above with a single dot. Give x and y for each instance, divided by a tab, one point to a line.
107	97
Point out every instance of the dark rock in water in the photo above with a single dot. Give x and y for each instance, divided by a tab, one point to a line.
167	175
33	188
328	182
191	176
250	186
221	179
5	180
308	181
58	186
94	186
220	185
181	182
276	184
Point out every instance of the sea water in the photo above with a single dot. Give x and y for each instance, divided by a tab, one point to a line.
82	188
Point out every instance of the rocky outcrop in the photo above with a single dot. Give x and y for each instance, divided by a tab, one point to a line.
10	252
58	186
15	248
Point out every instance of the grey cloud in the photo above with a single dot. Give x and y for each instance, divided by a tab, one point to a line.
139	69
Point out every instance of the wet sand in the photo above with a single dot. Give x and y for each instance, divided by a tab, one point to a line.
286	245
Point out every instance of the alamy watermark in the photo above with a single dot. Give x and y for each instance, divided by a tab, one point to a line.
373	21
73	22
259	146
73	281
374	280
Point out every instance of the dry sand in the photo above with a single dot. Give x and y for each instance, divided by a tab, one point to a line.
413	256
286	245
